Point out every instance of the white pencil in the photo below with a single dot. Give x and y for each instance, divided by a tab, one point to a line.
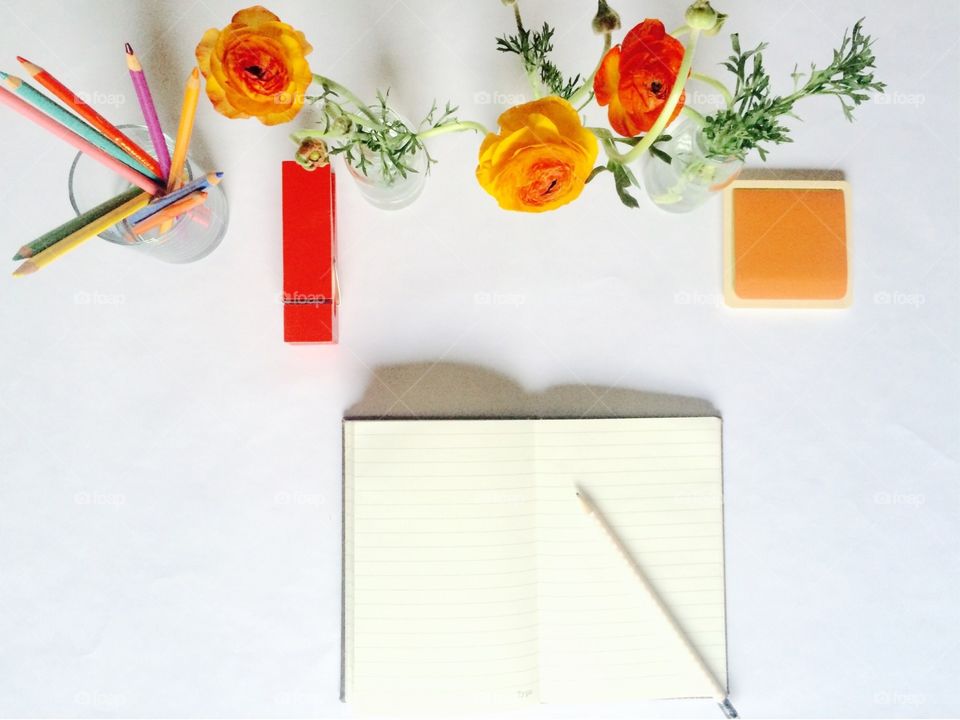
718	692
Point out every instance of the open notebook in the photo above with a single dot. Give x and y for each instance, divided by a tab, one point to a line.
472	575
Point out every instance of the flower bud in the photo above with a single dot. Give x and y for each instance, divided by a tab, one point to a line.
700	16
342	125
721	19
606	20
312	154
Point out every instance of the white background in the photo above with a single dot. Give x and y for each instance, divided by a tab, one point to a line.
169	479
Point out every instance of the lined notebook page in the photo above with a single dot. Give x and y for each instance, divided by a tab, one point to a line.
658	483
440	563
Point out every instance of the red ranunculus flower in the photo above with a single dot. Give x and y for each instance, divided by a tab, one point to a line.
636	78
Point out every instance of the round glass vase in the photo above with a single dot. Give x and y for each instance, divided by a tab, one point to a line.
390	190
190	237
691	178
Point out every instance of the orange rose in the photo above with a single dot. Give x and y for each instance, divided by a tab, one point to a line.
636	78
541	158
256	67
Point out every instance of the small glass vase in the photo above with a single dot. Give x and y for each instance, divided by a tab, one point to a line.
192	236
691	178
394	192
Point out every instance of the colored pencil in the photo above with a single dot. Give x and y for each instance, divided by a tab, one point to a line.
149	110
717	690
72	241
77	104
188	113
48	123
158	204
71	226
36	98
191	94
171	212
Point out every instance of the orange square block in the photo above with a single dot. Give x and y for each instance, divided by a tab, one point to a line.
786	244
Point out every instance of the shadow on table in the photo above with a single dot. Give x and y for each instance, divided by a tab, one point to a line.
458	390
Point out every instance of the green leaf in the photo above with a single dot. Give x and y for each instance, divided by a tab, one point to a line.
593	173
660	154
623	180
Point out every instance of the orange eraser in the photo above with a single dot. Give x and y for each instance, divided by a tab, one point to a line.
786	244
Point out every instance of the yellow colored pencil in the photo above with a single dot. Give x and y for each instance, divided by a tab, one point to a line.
171	213
191	96
54	252
188	113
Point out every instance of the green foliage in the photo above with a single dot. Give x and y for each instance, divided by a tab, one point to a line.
754	119
534	49
623	177
623	181
375	138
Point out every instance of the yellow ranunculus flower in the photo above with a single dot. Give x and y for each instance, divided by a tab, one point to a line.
541	158
256	67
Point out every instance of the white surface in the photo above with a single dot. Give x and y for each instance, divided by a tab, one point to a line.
169	526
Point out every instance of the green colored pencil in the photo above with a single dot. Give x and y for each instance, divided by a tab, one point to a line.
71	226
63	116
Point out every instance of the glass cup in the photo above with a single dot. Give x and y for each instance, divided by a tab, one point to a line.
691	178
190	237
398	192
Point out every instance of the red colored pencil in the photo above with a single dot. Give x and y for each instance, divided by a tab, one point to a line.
77	104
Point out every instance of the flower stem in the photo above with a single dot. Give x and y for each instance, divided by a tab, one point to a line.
453	127
694	115
672	99
301	135
587	86
716	85
339	89
532	79
535	87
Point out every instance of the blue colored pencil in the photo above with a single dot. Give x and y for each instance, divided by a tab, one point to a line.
200	183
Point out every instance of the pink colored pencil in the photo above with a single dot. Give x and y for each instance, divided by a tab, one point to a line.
149	110
51	125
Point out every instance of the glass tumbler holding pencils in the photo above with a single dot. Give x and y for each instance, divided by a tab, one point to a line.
190	237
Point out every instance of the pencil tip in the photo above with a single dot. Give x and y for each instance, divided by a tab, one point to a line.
3	75
18	256
25	269
128	48
29	66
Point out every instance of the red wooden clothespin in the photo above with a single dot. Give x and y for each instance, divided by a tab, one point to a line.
311	294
